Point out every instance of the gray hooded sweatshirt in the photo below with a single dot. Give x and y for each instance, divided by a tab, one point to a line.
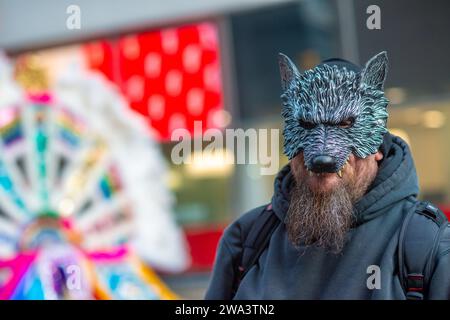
285	272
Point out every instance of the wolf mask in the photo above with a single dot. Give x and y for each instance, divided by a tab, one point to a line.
330	112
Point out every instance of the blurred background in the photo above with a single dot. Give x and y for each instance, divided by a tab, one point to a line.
216	61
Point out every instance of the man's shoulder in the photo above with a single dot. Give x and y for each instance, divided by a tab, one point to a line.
431	212
240	227
429	223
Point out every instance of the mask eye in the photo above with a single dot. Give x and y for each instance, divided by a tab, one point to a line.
307	124
347	123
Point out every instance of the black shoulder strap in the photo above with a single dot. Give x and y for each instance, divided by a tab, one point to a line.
256	241
418	242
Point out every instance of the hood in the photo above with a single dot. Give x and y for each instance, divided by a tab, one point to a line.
396	180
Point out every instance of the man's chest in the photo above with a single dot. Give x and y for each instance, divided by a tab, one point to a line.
366	268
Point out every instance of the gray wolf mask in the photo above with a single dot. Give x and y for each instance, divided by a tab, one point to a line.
331	111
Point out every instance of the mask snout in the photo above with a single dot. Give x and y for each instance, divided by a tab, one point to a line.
323	164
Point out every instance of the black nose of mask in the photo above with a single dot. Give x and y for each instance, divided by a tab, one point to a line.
323	164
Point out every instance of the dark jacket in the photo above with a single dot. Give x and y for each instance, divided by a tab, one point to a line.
283	272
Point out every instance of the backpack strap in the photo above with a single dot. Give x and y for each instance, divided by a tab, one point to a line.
419	239
256	242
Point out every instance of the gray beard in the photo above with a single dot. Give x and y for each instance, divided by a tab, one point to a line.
323	219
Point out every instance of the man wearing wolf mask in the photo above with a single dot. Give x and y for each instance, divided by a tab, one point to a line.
344	221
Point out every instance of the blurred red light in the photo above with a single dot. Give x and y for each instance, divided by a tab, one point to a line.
171	76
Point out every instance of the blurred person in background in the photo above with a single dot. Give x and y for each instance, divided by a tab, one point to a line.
344	221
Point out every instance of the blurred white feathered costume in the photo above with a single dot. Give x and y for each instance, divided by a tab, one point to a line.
158	240
81	184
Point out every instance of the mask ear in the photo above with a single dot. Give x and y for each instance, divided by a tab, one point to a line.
375	71
288	71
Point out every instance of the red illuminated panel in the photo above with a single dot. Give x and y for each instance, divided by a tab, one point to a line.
171	76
